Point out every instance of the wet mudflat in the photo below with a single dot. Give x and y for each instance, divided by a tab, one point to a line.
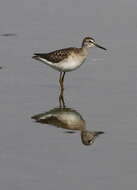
103	91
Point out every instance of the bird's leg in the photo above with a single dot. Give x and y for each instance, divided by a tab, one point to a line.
61	99
60	79
63	76
63	80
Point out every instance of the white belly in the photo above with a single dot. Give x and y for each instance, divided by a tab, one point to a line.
71	63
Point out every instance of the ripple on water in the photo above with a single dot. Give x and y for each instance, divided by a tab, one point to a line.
8	34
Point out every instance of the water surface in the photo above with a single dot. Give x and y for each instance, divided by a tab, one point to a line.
103	90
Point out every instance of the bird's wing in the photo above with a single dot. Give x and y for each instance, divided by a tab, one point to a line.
55	56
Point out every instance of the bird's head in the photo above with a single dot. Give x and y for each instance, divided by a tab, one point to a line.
89	42
88	137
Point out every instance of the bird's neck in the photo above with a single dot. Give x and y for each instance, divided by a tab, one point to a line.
85	50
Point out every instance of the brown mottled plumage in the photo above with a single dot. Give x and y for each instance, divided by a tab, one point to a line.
58	55
69	59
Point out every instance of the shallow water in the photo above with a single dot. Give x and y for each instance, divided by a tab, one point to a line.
104	91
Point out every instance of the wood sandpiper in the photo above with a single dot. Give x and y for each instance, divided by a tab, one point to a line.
68	59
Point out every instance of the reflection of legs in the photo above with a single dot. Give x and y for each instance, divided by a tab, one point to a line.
61	99
61	80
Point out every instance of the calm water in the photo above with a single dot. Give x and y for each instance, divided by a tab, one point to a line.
104	92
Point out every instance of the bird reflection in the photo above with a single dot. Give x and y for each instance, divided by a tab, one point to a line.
67	118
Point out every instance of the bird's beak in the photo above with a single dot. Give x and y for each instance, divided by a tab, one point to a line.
99	46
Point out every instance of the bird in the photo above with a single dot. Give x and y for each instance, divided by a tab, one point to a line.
68	59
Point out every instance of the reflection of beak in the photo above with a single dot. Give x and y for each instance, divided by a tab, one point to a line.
99	46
